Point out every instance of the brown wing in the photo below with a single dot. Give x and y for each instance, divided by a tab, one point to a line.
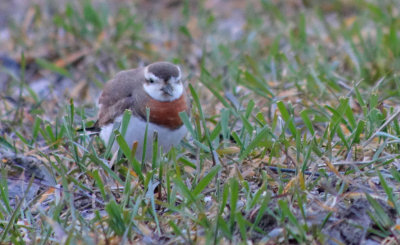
119	94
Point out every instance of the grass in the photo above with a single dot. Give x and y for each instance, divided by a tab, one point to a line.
294	119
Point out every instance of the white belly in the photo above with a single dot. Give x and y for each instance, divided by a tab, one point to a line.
135	132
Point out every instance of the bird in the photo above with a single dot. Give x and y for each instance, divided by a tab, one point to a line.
157	86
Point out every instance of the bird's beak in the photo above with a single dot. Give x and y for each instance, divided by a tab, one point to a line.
168	89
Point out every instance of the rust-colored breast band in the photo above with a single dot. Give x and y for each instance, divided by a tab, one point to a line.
166	113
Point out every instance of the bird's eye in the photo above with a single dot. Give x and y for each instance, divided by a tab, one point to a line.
151	81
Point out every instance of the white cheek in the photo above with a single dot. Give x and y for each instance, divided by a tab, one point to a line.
154	91
177	91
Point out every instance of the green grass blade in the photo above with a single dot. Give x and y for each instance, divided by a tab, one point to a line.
205	181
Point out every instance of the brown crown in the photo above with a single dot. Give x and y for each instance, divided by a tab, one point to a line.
164	70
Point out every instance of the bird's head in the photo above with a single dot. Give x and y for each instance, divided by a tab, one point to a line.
163	81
